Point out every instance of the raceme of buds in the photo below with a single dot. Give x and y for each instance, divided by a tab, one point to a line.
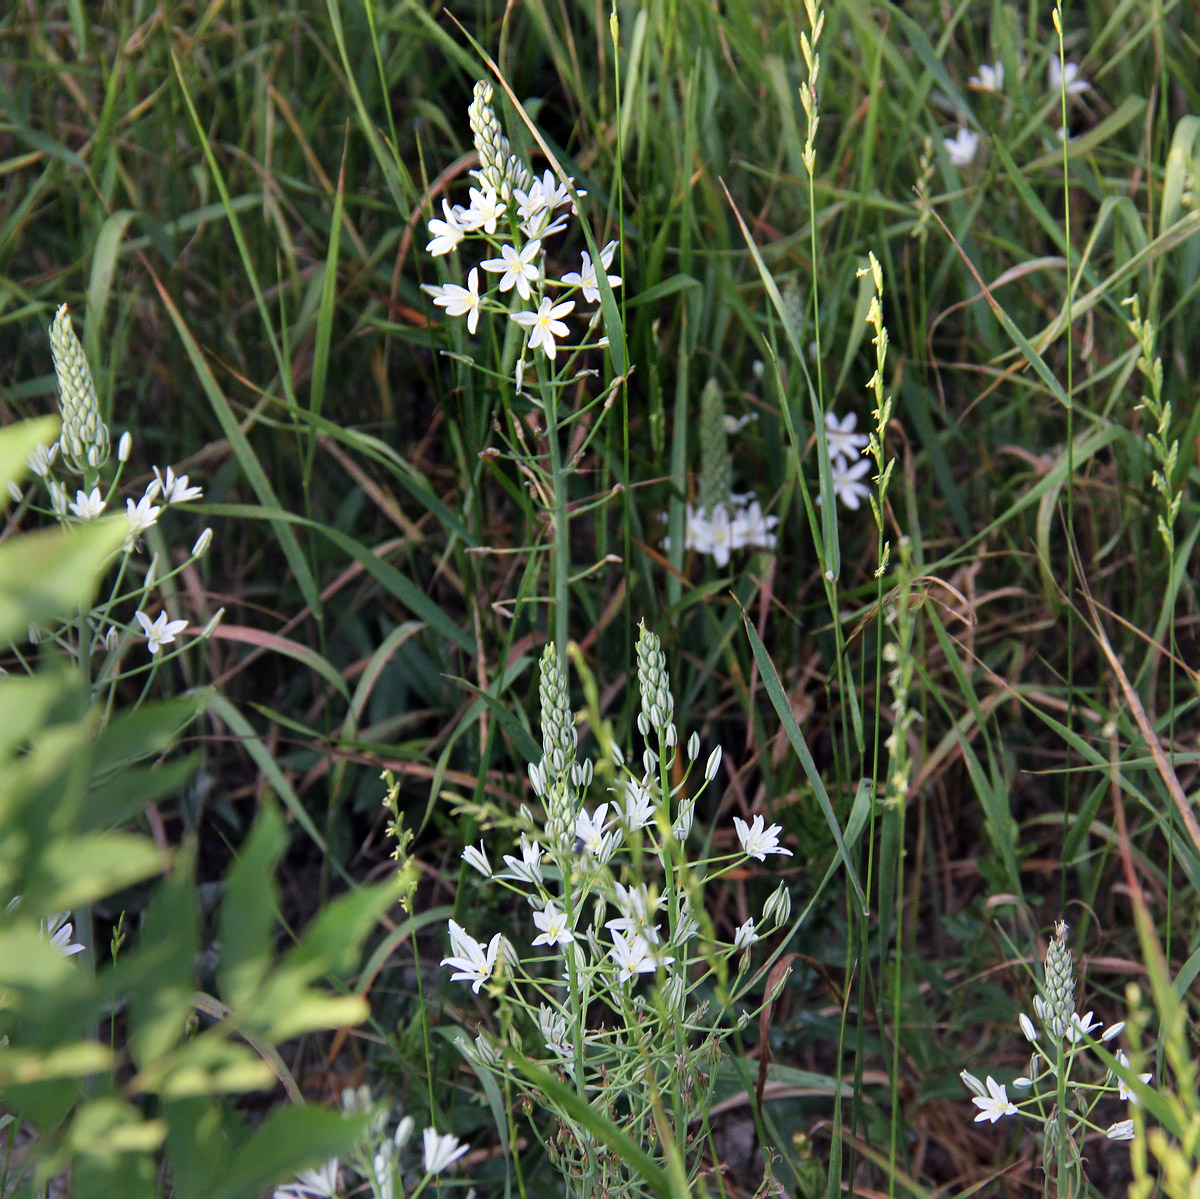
559	738
658	705
1059	985
716	470
499	168
84	438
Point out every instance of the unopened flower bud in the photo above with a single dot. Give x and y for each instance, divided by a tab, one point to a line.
15	493
778	907
712	765
211	627
202	543
693	747
124	446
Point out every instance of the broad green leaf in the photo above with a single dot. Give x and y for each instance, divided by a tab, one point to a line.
162	1002
248	910
145	732
78	870
47	575
17	442
290	1140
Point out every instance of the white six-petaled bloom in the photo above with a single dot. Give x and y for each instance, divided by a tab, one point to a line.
745	935
529	868
1124	1092
485	209
174	488
638	811
995	1104
637	910
589	831
518	268
459	301
441	1150
545	324
160	631
989	79
318	1183
59	930
752	529
960	148
847	482
840	436
1060	76
473	963
634	956
141	516
553	924
475	856
1080	1027
585	277
758	841
88	505
42	459
446	234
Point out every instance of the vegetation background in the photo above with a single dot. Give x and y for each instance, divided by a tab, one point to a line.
232	197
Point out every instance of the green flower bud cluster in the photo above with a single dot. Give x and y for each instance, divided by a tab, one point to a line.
654	683
84	439
1058	988
499	168
716	471
559	738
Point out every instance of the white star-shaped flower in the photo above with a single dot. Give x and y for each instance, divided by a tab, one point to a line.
637	912
59	930
847	482
1124	1092
841	438
160	631
174	488
757	840
469	958
553	924
995	1104
639	805
545	324
989	79
459	301
961	147
752	529
441	1150
319	1183
517	268
141	516
485	209
634	956
446	234
475	856
1060	75
589	831
585	277
1080	1027
745	935
42	459
529	868
88	505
